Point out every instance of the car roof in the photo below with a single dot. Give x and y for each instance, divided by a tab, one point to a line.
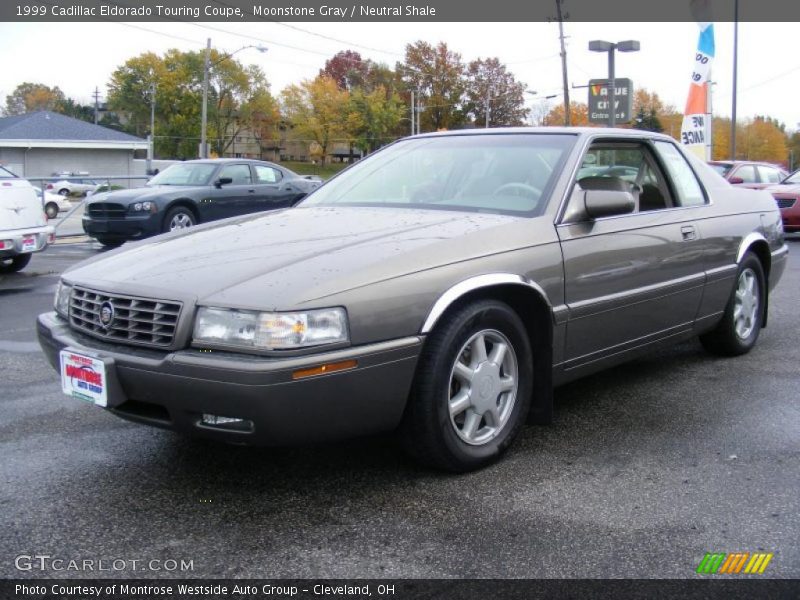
581	131
732	163
217	161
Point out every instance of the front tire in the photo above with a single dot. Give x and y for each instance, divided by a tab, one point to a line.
472	390
110	242
15	263
738	330
178	218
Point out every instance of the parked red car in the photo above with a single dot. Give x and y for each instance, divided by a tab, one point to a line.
755	175
787	195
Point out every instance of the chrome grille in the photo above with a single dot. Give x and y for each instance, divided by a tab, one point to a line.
785	202
105	209
137	321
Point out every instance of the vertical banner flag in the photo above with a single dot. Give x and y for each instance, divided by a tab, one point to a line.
696	127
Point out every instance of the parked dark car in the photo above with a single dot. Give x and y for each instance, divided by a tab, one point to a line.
749	174
443	285
193	192
787	195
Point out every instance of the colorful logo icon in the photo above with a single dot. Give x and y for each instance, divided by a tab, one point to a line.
734	563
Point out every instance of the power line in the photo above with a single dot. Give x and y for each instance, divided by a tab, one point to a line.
315	34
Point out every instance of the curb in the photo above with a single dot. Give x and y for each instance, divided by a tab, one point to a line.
72	239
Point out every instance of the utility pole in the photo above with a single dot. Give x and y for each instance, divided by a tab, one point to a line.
96	96
152	137
563	63
735	69
204	117
488	104
413	112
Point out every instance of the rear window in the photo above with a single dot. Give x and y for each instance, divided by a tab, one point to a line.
721	169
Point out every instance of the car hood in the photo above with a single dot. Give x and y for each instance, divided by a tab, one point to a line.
285	259
143	193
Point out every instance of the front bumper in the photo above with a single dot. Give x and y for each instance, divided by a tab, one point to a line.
174	390
44	236
129	227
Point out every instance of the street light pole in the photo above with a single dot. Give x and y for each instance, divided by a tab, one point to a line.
601	46
612	89
204	116
206	69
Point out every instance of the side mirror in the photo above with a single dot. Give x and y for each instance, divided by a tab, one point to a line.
735	180
607	203
223	181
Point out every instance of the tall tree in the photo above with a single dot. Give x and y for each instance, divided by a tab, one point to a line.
376	117
76	110
29	97
578	111
320	112
436	73
488	81
347	69
238	99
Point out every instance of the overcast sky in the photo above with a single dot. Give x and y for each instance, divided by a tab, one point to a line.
79	56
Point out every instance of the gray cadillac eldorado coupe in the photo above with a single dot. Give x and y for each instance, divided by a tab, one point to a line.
442	286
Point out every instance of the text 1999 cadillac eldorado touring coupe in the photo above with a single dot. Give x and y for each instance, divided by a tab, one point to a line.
441	286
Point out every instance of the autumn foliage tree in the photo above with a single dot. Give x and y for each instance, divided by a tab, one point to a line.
30	97
437	74
578	112
320	112
489	80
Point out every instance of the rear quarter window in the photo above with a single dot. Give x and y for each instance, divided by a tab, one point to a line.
687	187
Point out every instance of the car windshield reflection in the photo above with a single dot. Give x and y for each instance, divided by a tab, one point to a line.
186	174
506	174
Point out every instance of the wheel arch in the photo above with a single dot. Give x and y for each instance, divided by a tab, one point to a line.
532	305
185	203
757	244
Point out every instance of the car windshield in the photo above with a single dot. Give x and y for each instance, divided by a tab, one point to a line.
721	169
793	178
495	173
185	174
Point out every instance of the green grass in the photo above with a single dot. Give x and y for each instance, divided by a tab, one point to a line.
306	168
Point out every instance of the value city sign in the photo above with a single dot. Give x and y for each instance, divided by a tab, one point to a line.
598	100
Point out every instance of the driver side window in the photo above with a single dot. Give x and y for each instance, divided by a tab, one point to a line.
239	174
626	167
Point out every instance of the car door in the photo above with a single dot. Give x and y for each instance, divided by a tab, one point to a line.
273	188
634	279
230	199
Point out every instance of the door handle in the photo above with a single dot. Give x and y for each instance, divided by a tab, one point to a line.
251	191
688	233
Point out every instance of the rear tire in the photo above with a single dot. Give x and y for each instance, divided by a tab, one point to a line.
472	390
51	210
15	263
64	192
738	330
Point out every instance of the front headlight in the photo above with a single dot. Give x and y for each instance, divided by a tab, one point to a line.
270	331
147	206
61	300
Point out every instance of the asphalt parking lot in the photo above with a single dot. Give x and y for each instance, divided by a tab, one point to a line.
646	468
